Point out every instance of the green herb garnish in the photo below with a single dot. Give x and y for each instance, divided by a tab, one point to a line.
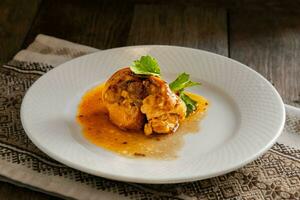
190	104
183	81
146	65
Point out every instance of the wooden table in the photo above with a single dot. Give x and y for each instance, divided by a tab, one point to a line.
265	36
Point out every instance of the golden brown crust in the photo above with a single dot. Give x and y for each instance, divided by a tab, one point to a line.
135	102
163	108
122	95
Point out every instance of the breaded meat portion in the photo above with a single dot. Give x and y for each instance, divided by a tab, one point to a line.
142	102
123	95
163	108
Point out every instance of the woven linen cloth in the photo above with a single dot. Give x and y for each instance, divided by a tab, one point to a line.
274	175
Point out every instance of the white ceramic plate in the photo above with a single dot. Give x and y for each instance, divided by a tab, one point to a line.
244	119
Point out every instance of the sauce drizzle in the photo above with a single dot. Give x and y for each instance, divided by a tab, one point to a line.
97	129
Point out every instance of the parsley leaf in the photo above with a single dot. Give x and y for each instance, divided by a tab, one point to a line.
190	104
146	65
181	82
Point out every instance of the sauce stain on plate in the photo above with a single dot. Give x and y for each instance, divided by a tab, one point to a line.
97	129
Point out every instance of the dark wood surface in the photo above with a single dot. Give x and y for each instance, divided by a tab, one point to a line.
190	26
264	36
101	24
15	22
270	44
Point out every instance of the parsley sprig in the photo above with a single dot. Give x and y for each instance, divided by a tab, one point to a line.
181	82
146	65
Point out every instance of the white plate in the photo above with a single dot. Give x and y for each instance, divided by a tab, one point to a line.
244	119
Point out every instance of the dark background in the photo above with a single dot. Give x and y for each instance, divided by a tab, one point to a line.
264	35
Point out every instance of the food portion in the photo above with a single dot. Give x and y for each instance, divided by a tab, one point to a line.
98	129
163	108
123	96
135	111
134	103
137	98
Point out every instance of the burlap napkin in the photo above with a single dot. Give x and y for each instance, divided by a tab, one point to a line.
275	175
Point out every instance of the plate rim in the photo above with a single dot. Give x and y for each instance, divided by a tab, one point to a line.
154	180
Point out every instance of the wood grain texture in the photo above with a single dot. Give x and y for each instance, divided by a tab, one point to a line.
15	21
179	25
270	44
253	5
101	24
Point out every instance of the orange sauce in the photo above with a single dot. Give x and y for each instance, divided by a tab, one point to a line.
97	129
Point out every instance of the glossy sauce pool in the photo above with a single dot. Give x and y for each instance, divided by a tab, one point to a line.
97	129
